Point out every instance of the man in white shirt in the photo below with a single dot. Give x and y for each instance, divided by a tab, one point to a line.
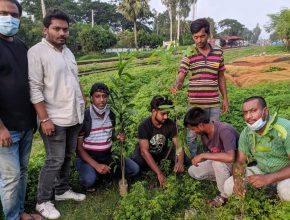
59	103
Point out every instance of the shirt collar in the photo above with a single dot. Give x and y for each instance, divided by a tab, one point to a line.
50	45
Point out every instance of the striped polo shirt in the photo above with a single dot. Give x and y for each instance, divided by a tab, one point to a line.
100	138
203	83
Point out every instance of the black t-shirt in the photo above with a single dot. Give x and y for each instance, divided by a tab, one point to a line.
157	137
16	110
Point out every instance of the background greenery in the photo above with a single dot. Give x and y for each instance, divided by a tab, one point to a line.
146	200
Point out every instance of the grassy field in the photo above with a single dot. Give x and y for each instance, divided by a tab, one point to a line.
182	192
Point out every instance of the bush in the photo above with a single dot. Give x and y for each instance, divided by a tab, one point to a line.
96	38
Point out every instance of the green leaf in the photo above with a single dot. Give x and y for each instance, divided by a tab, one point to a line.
263	149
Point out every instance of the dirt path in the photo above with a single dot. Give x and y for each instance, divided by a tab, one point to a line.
252	70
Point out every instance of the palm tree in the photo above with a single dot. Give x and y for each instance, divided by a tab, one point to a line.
170	5
132	10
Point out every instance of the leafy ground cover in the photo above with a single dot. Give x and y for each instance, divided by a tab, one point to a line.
145	200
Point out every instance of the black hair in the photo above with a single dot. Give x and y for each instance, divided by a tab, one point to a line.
159	100
260	99
198	24
195	116
99	87
54	14
17	4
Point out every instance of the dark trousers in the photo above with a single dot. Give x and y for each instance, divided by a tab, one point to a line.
55	173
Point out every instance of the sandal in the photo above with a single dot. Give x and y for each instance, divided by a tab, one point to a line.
28	216
218	201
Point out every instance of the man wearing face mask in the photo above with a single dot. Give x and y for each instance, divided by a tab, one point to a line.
267	140
17	116
96	139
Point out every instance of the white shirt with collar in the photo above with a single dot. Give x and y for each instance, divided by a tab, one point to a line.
53	78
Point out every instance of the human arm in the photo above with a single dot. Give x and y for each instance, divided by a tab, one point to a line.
226	157
261	180
5	138
223	91
144	149
46	123
179	165
177	85
100	168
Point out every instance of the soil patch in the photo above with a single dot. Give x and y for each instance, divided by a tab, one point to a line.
252	70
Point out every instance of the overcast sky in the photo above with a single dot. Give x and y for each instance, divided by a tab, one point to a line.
247	12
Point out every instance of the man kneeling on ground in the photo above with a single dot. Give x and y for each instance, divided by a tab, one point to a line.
267	140
95	140
220	141
153	134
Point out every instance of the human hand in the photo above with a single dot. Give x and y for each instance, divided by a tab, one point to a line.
173	90
48	128
259	180
179	167
225	108
103	168
239	188
161	179
197	159
5	137
121	137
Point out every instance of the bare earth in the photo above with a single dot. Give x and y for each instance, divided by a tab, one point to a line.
252	70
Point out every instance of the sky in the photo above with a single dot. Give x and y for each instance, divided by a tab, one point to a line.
247	12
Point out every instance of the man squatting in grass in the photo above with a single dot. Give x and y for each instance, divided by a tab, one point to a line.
267	140
96	138
153	134
59	103
220	141
17	116
206	66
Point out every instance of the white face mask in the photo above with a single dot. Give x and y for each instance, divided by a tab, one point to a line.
257	125
100	111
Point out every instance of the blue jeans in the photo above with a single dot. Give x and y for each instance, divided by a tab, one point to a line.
89	176
13	173
55	173
214	114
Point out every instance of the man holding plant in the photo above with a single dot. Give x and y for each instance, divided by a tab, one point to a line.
220	141
153	134
96	138
267	140
206	65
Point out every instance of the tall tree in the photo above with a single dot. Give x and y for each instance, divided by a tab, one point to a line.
133	10
231	27
194	9
280	25
171	7
182	10
256	33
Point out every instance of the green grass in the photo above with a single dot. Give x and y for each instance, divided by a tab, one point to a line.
149	81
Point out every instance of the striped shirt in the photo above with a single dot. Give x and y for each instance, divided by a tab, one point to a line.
203	84
276	157
100	138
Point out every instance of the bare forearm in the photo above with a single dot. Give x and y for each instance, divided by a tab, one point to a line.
223	85
227	157
40	110
280	175
151	163
180	80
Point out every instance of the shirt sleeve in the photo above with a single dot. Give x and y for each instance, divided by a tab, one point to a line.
244	144
142	131
287	141
222	64
184	65
229	139
35	75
